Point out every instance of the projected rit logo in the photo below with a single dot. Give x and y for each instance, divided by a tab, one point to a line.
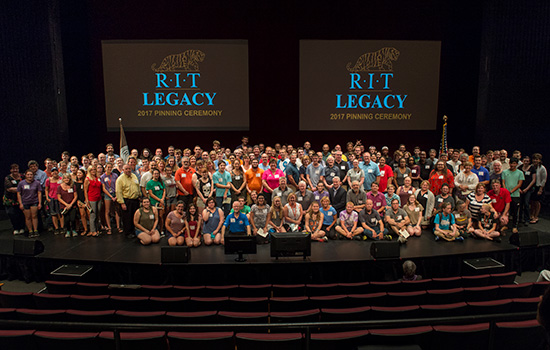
176	81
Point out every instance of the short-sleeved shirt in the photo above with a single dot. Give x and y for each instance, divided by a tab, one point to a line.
359	198
305	200
487	222
511	180
440	200
328	215
461	219
371	171
330	172
347	219
499	201
385	174
482	174
176	224
314	173
260	215
379	199
157	187
400	177
236	223
475	206
343	168
254	179
185	178
355	175
66	195
170	186
371	219
109	182
52	193
222	179
293	172
272	178
414	215
29	191
320	195
398	216
445	221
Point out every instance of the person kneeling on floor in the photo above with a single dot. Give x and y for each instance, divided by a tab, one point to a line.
146	220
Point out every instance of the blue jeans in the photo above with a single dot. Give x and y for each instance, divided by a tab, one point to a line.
224	207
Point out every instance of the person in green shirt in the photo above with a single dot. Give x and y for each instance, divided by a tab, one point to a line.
245	209
157	194
512	180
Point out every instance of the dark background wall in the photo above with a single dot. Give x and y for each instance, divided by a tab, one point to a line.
494	52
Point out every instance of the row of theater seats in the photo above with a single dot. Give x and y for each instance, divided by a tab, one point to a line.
279	290
264	304
499	306
507	335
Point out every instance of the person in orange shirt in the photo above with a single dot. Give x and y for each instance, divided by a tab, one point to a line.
184	182
253	178
475	152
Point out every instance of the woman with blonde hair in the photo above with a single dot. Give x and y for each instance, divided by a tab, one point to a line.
275	217
92	194
414	210
314	222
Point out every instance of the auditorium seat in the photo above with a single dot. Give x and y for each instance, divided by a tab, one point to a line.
73	340
162	291
258	304
92	288
475	281
90	302
135	340
188	291
395	312
269	341
445	296
525	304
16	300
126	290
355	288
329	301
313	290
391	286
41	315
201	340
481	293
17	339
519	335
338	340
447	282
406	298
289	290
295	316
61	287
460	337
123	316
412	286
503	278
229	317
51	301
254	290
401	336
347	314
103	316
444	310
490	307
194	317
7	314
129	303
169	303
283	304
207	304
522	290
539	288
370	299
220	291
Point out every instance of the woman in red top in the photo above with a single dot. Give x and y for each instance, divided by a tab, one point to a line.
193	223
92	193
439	176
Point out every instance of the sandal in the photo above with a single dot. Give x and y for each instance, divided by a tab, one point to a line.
108	231
120	230
83	233
534	221
89	234
95	234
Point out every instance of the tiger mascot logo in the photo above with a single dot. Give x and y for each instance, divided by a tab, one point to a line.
380	60
185	61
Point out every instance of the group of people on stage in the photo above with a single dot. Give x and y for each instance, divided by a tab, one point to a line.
195	196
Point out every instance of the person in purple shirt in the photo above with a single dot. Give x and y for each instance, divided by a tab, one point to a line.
29	195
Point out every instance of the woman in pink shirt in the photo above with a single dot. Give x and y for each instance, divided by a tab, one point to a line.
270	178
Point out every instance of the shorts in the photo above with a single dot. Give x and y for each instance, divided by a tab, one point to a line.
53	207
169	201
28	206
106	196
138	232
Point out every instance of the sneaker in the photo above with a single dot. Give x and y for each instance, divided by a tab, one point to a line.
402	239
437	238
15	232
387	238
364	238
325	239
68	235
57	231
75	234
22	231
459	238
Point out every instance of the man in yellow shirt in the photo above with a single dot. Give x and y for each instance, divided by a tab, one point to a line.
127	194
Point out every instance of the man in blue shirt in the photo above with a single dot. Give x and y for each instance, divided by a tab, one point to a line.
236	222
372	172
293	173
481	172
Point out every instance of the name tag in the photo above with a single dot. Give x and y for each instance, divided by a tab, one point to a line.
383	172
70	190
360	201
192	227
258	175
440	200
106	180
457	216
378	204
26	187
440	177
527	173
181	220
329	213
136	181
15	182
369	171
445	222
152	216
279	193
373	220
494	200
316	198
410	192
211	215
157	188
399	217
332	174
300	199
414	171
232	220
427	167
425	196
276	176
343	167
417	209
405	175
238	177
317	172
